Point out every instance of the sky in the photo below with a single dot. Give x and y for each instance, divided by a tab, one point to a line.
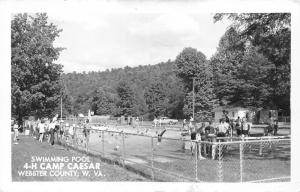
96	41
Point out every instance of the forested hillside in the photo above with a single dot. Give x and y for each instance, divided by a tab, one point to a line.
154	90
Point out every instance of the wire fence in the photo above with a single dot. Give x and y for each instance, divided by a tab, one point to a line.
225	159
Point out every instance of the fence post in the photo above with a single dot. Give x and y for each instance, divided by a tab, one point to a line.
152	158
87	141
260	147
123	148
220	163
241	159
196	159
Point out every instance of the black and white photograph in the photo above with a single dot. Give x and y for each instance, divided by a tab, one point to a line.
128	93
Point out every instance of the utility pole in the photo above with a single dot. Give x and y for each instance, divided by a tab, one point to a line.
60	108
194	98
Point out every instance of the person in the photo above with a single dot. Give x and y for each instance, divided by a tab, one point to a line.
245	127
225	115
86	130
269	129
55	118
47	130
56	131
276	127
198	143
184	123
16	133
155	121
159	136
51	132
231	127
238	126
191	119
210	135
193	138
222	128
71	133
41	130
61	131
36	128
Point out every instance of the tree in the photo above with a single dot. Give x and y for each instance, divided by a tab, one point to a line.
34	75
156	99
271	34
189	64
127	102
225	66
103	103
255	75
193	64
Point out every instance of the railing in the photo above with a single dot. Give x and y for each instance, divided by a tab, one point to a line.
226	159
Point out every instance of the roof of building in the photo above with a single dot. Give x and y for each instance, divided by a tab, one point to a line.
230	108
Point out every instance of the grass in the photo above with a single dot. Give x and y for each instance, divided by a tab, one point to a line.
29	147
169	156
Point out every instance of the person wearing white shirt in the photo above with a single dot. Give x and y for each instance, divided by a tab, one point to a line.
222	128
41	130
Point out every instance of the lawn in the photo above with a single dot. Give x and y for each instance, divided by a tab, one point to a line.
29	147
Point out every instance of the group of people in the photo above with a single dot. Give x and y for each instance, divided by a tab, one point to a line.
51	130
212	133
272	128
42	129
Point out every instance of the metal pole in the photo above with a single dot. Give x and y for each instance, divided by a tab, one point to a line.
87	141
241	160
196	159
152	159
123	150
220	163
194	98
60	108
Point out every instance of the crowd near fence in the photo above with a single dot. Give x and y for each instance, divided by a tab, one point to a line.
225	159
